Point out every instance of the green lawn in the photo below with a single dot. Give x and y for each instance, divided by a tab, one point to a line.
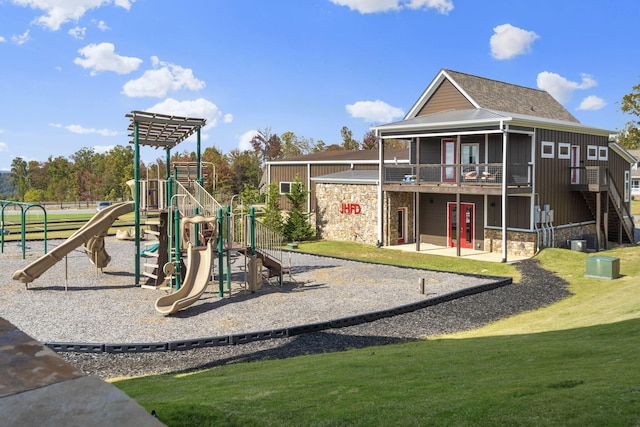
571	363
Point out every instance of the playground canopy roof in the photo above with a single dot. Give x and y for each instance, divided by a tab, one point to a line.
160	130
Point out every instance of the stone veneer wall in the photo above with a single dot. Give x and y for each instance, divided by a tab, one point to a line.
523	243
331	224
394	201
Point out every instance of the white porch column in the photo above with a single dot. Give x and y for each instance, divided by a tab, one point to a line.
505	138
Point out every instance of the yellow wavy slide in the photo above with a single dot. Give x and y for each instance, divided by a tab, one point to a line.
199	264
91	235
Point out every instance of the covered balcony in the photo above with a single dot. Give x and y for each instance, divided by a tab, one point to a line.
480	178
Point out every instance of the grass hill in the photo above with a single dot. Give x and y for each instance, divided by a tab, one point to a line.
571	363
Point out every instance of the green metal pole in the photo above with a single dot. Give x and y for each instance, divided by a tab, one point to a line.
176	236
167	202
136	199
220	255
23	230
199	159
228	215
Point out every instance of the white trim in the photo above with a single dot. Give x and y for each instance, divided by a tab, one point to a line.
562	155
627	186
544	144
603	149
593	156
334	162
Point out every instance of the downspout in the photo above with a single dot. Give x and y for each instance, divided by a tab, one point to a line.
504	191
380	192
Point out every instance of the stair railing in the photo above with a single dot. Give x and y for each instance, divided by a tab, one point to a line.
621	208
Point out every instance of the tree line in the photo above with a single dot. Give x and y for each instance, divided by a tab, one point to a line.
89	176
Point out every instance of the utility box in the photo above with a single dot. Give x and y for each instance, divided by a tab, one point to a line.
592	242
579	245
603	267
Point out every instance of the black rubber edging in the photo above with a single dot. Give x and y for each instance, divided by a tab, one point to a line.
238	339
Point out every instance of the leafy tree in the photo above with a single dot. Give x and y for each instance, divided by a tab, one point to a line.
369	141
348	143
396	143
272	211
20	177
34	195
629	137
297	226
267	144
84	176
61	179
220	179
7	190
318	146
245	169
249	195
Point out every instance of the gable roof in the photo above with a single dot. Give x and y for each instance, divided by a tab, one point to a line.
489	94
342	156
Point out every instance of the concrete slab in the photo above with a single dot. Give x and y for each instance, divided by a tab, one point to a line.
37	388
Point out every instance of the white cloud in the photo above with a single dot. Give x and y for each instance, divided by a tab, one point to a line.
163	78
102	57
101	149
244	141
228	118
79	129
3	146
561	88
374	111
21	38
200	108
508	41
442	6
57	12
2	39
101	25
78	32
375	6
592	103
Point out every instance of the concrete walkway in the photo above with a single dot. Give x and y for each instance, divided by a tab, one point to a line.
37	388
426	248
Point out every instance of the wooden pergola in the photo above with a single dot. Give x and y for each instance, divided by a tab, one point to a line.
158	131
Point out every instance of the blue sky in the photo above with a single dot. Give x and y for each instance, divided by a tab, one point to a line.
72	69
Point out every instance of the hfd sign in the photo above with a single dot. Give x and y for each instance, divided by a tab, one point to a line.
350	208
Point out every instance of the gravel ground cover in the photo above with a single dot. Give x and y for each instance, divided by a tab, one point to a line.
104	307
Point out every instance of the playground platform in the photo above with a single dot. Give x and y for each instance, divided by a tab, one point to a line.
38	388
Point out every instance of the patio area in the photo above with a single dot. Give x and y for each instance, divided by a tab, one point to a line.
426	248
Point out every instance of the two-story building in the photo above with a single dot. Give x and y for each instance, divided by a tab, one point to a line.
505	168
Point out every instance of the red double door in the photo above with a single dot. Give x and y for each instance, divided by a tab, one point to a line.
464	221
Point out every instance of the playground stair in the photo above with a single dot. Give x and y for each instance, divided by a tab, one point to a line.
156	259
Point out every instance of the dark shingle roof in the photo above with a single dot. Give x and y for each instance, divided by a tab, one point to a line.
496	95
347	156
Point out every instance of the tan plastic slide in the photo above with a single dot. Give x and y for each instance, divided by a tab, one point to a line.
199	264
91	235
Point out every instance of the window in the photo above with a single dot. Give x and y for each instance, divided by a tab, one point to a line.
603	153
285	187
469	154
627	186
564	150
592	152
548	150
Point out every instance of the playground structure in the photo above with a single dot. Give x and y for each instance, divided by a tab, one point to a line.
183	217
24	209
